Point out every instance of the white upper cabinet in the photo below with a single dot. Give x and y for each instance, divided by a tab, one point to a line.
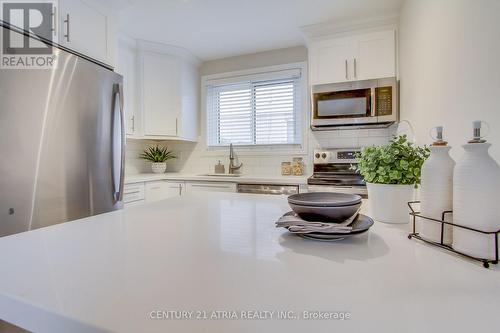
188	125
161	86
375	55
161	91
87	27
169	85
126	65
329	60
359	57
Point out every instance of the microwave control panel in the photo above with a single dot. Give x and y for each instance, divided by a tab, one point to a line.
383	96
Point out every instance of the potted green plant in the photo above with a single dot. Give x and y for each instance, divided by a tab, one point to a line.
158	156
392	173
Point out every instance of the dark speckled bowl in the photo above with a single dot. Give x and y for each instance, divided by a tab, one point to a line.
325	214
324	199
325	206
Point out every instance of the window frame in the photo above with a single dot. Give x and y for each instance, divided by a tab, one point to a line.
299	148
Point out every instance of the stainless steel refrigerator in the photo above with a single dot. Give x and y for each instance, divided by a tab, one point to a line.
61	143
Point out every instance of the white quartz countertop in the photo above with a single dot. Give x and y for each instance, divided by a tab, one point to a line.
243	179
125	271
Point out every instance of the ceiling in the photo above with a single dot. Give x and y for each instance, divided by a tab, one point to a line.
213	29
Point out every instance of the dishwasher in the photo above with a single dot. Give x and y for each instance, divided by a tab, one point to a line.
268	189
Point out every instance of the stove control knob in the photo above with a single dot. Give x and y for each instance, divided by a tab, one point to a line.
323	155
317	155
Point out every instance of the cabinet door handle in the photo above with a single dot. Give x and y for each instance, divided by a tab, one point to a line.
346	76
355	74
176	127
54	20
67	28
133	123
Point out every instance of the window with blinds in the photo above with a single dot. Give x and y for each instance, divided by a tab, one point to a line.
264	110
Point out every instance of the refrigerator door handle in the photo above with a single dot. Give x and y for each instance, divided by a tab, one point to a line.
118	143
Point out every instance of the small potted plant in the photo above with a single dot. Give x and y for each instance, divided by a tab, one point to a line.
391	172
158	156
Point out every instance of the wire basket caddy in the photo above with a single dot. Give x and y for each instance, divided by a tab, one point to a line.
486	262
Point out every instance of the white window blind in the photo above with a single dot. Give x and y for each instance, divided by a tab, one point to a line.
263	110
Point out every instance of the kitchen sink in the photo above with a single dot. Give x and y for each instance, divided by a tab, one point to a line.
222	174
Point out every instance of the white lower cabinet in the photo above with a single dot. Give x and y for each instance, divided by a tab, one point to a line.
137	193
151	191
133	193
162	189
210	187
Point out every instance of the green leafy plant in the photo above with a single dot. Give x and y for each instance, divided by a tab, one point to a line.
157	154
399	162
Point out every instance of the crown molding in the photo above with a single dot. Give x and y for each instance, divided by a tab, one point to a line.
148	46
344	28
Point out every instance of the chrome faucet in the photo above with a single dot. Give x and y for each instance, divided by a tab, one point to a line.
232	167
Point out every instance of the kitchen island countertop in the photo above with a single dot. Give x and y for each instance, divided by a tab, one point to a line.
216	263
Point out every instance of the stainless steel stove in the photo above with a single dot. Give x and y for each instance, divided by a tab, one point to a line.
332	172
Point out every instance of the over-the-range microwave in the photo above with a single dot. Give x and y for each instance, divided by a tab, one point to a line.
358	104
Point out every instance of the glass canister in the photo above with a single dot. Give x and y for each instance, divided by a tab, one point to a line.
286	168
298	166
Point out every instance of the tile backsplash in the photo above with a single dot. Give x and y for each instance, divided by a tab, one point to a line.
193	158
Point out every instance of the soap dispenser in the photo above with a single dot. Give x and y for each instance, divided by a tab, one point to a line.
476	188
436	189
219	168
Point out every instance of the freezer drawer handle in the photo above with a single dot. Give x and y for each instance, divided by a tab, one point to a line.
118	144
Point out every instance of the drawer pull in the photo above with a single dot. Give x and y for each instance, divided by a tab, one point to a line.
132	192
210	186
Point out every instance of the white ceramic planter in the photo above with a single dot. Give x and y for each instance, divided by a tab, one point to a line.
159	167
389	203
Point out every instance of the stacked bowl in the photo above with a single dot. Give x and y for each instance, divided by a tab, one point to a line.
325	216
325	206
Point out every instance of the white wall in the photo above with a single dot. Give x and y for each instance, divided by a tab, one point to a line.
255	60
450	68
193	158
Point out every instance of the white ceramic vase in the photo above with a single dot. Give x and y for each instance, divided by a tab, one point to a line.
389	203
436	194
476	189
157	167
